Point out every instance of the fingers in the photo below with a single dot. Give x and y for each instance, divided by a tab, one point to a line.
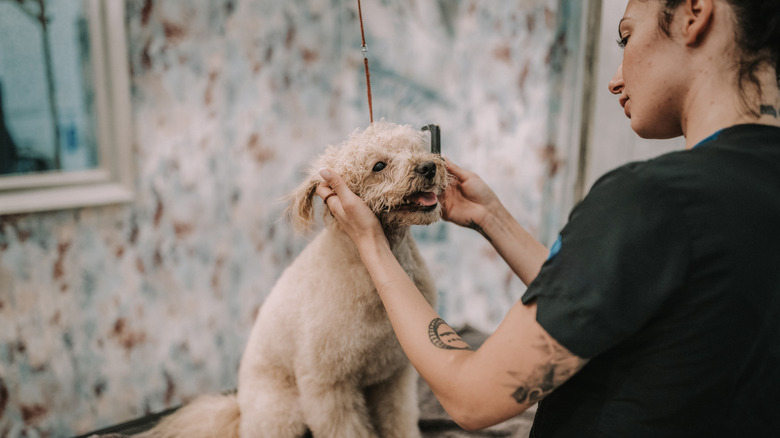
333	180
324	192
456	170
333	184
355	217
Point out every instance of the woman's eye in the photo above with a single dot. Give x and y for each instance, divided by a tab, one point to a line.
379	166
621	42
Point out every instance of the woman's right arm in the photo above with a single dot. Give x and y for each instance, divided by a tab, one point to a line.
469	202
513	369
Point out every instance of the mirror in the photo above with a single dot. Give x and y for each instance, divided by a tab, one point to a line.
64	105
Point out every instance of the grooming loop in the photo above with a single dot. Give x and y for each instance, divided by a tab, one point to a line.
365	63
434	129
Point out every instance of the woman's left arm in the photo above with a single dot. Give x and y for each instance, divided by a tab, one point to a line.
516	366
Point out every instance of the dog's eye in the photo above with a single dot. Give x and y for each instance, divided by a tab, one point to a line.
379	166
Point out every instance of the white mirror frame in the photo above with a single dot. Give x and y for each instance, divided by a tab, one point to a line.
112	180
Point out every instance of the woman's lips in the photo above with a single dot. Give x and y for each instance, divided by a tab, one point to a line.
624	104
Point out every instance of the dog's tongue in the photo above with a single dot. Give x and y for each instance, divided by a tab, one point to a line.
425	199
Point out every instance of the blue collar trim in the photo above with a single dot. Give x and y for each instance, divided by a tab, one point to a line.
709	139
555	248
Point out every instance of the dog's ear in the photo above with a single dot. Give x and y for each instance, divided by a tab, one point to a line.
301	208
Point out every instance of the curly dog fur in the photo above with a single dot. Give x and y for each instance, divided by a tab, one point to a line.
322	355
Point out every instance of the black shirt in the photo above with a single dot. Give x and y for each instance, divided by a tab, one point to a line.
668	278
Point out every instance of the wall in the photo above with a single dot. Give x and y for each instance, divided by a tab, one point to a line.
612	144
109	313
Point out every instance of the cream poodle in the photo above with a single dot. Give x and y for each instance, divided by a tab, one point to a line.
322	355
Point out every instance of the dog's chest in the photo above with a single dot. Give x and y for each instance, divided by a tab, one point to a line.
348	315
325	313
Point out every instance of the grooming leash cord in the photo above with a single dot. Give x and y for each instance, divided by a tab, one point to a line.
365	63
434	129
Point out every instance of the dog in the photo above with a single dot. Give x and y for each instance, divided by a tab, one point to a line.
322	356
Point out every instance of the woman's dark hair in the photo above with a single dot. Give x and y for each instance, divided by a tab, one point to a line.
757	35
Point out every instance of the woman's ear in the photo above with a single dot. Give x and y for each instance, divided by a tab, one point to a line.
697	18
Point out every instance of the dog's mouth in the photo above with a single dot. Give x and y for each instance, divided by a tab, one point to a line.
420	201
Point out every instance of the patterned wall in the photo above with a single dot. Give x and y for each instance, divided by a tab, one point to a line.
112	312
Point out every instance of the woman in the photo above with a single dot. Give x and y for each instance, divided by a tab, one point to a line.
657	312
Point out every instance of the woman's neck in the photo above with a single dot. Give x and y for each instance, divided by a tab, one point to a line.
715	103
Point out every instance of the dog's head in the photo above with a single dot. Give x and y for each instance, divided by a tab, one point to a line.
390	167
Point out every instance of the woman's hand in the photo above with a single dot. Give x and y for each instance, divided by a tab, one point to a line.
468	200
354	216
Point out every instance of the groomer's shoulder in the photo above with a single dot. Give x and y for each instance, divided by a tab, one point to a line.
627	188
668	173
651	171
738	156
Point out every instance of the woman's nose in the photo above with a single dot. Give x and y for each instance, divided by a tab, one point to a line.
616	83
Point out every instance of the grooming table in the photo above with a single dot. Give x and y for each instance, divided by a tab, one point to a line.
434	421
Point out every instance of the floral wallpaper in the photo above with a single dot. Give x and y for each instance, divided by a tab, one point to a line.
109	313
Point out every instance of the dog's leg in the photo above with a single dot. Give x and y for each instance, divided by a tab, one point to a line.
393	405
335	410
270	408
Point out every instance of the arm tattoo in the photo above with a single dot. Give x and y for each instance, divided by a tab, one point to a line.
768	110
561	364
473	225
442	336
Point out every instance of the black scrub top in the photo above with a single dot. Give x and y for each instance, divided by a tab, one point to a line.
667	277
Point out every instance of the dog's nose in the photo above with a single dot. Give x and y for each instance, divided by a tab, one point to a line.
427	169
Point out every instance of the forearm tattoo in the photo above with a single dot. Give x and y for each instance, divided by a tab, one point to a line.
768	110
473	225
560	366
442	336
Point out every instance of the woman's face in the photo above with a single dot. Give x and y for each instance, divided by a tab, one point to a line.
650	81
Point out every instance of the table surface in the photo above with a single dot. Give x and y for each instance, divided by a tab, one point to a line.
434	421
